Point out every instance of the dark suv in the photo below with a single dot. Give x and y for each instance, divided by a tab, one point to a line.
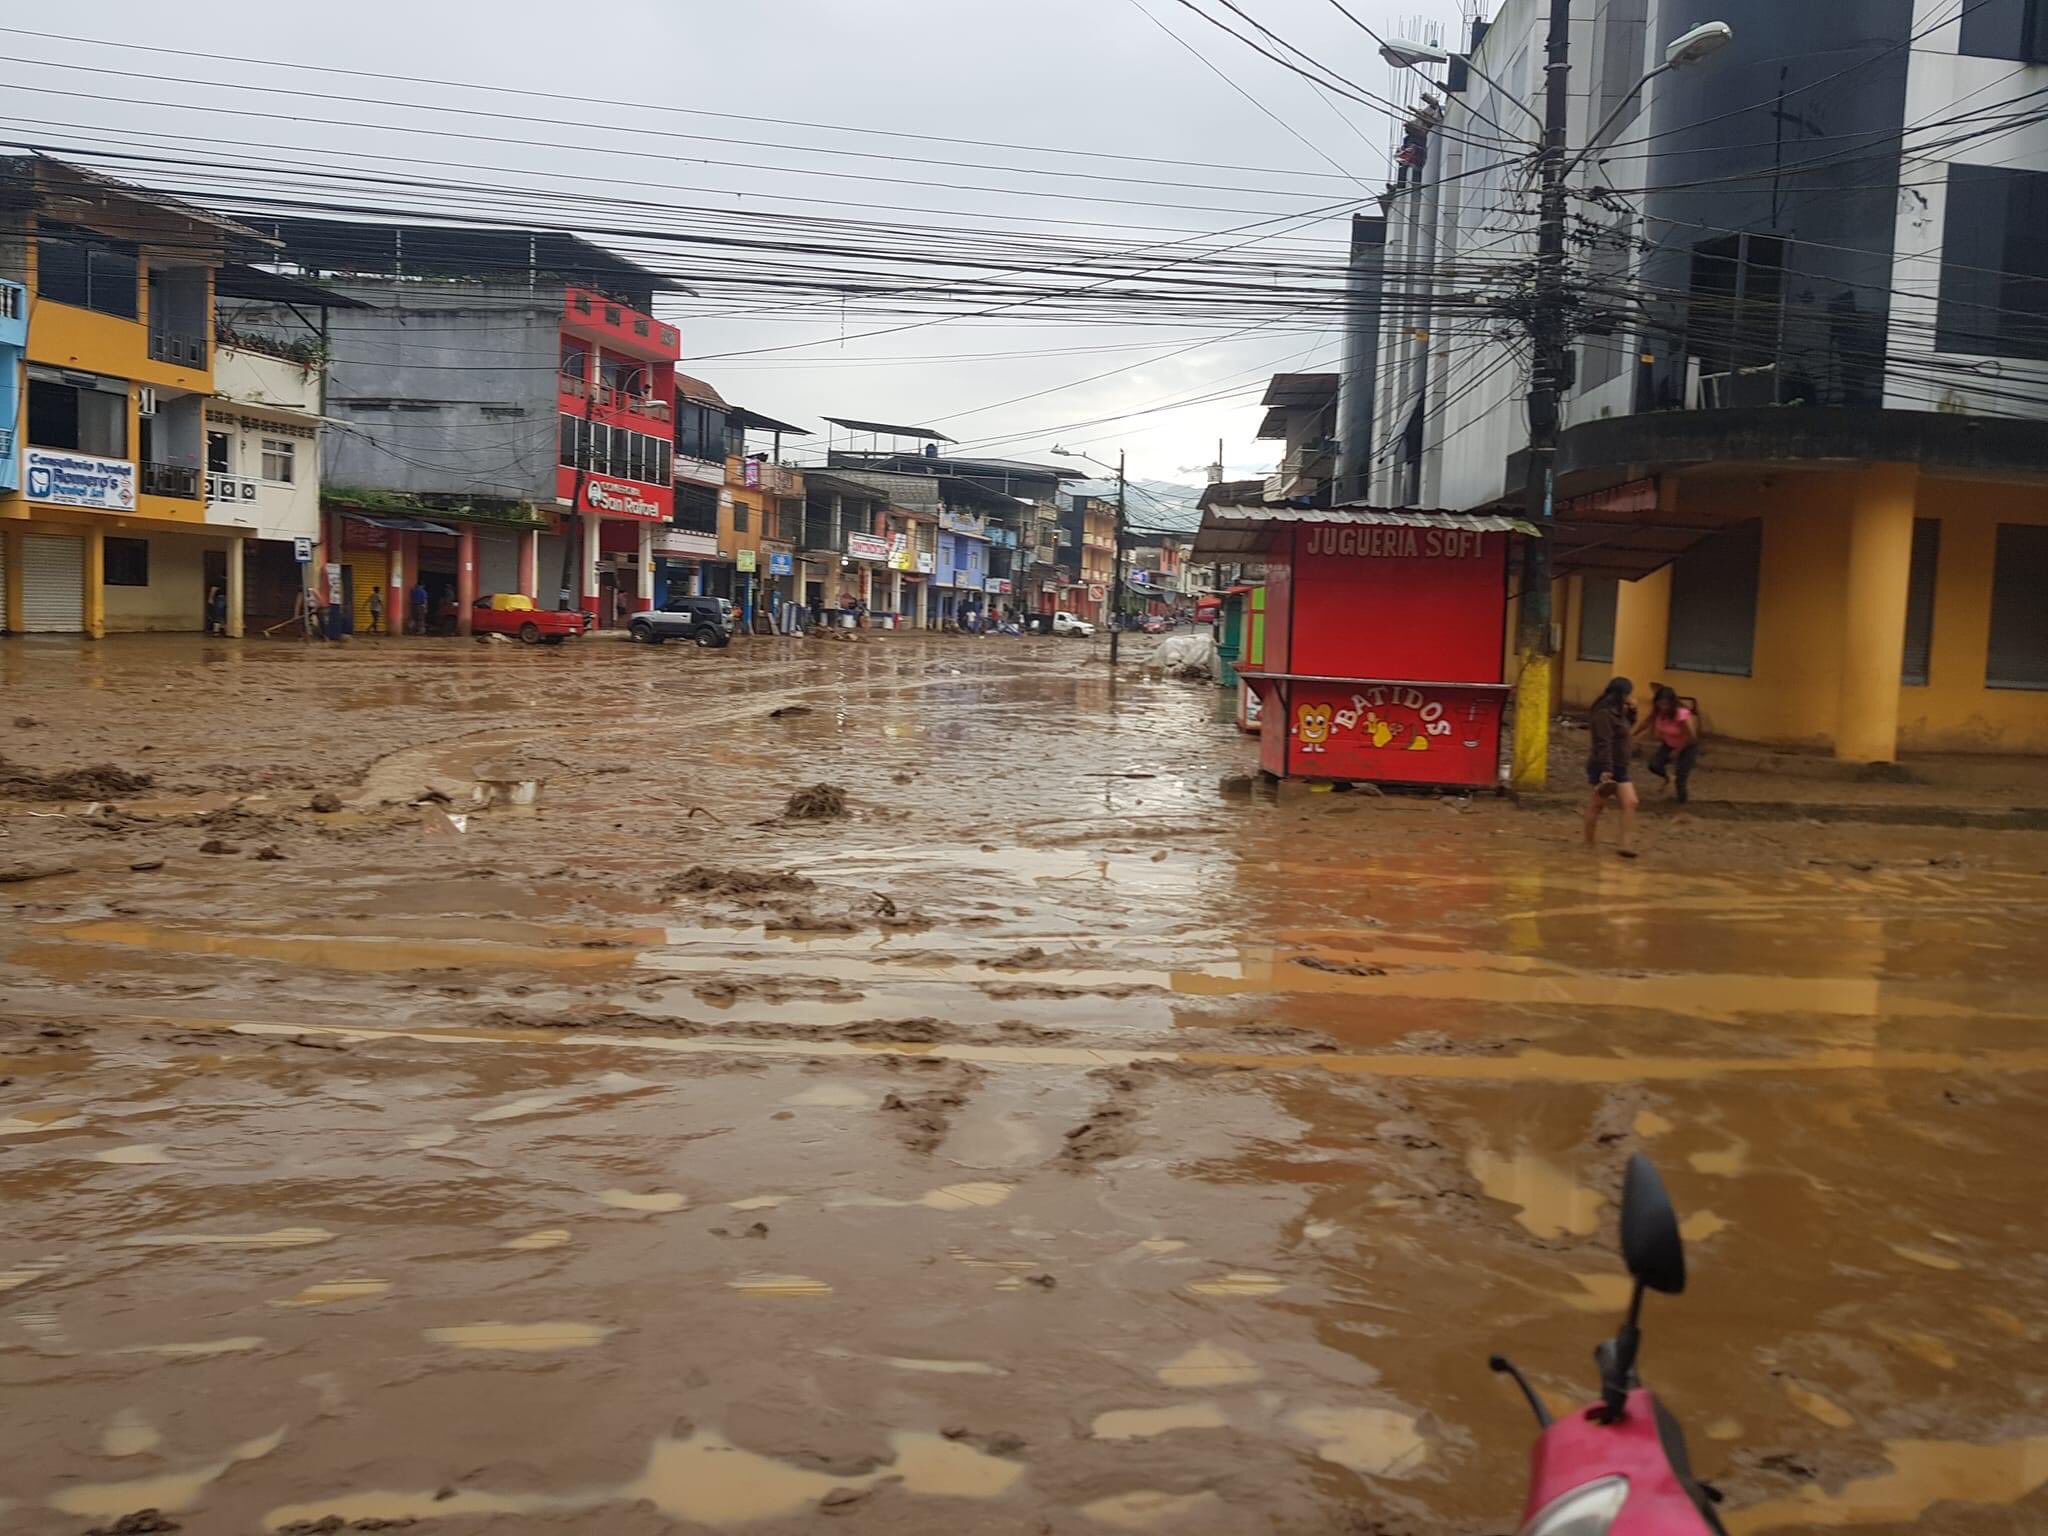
701	619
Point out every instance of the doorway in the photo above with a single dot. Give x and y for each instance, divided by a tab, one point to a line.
213	578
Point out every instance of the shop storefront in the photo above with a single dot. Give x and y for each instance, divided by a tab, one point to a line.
680	557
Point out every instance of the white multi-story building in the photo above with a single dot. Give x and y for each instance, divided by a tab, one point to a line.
1800	468
263	464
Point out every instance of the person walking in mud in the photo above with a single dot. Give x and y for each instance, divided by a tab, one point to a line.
1609	725
1677	729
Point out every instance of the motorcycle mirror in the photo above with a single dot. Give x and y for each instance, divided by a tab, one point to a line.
1650	1244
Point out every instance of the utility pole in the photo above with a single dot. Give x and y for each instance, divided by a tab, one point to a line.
1116	590
1547	381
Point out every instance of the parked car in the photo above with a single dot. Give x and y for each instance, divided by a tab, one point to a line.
1071	624
511	613
706	620
1155	625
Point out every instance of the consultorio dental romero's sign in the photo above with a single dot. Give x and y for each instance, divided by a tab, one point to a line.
78	480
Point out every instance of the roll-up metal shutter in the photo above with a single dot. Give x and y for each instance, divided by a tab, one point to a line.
52	584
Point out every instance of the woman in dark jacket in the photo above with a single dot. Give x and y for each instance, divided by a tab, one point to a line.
1609	724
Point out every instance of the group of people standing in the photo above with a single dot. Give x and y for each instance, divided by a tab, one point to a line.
1614	727
427	612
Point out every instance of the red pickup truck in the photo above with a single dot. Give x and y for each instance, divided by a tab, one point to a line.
508	613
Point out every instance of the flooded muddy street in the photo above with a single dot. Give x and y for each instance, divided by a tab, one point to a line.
1052	1142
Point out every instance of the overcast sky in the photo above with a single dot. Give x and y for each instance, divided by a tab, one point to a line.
1097	75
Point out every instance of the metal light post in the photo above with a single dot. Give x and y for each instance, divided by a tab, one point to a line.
1549	371
1116	588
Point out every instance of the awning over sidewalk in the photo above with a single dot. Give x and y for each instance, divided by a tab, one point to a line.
399	524
1232	532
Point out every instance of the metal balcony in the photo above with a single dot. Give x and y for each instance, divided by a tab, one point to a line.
178	347
171	480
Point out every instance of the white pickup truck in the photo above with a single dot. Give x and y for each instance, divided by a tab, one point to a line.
1071	624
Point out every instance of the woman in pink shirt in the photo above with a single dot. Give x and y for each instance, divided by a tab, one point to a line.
1677	730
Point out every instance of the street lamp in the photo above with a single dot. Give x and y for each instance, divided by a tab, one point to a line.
1116	590
1403	54
1551	349
1708	38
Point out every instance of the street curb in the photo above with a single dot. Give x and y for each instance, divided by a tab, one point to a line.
2020	818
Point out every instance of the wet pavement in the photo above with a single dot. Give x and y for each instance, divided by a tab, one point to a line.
1053	1144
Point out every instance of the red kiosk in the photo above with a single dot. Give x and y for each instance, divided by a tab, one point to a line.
1385	639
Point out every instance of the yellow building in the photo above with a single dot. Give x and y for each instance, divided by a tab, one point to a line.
104	529
1888	596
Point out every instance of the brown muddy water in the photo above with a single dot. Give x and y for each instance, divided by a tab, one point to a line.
1079	1150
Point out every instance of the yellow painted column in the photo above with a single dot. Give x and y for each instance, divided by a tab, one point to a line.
10	601
1530	759
1642	629
95	584
236	595
1874	613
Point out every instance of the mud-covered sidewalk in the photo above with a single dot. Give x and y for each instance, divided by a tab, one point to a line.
1051	1142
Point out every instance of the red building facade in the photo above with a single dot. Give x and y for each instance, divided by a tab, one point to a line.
615	471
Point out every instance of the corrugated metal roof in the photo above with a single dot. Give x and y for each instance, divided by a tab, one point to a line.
1228	531
885	428
1373	517
1289	391
21	168
697	392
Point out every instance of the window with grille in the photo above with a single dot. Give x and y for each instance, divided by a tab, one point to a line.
2019	608
280	459
1920	602
124	562
1713	603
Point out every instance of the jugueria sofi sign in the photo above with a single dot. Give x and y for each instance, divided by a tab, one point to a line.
1384	642
1398	543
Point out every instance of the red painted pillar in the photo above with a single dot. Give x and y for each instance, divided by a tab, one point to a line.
465	578
405	548
529	567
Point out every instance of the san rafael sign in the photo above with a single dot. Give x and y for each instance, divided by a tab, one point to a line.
78	480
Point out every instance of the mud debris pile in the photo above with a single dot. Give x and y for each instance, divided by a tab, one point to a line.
101	781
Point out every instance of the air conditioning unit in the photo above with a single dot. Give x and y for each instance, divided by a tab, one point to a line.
145	399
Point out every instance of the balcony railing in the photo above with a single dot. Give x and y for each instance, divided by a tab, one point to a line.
171	480
178	347
613	398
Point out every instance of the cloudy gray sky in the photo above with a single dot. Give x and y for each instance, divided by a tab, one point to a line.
601	103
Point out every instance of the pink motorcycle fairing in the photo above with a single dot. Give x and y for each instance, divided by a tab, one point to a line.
1580	1448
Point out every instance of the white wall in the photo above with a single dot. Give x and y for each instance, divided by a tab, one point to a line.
175	598
1940	84
1484	215
254	378
255	395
